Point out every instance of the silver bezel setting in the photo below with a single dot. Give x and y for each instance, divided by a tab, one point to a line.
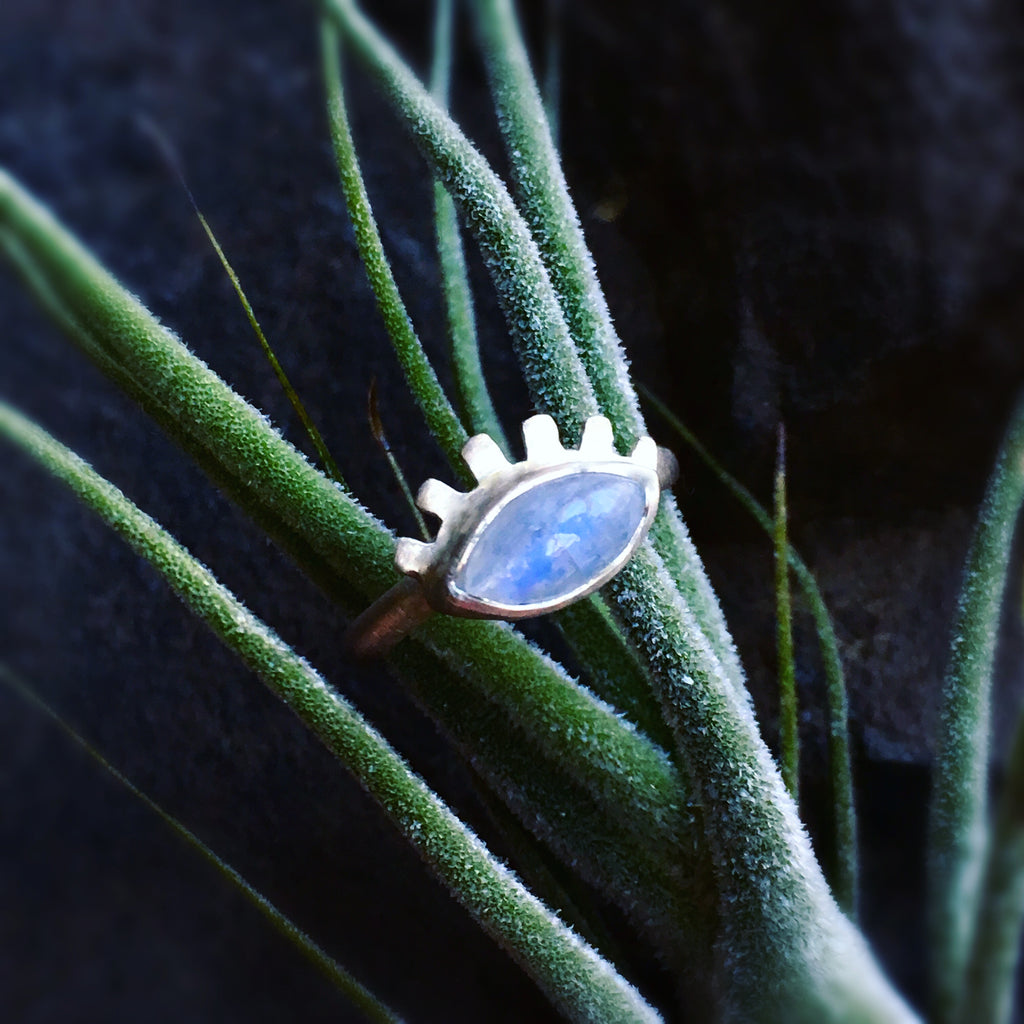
465	517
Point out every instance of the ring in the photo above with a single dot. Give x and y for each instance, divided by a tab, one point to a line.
530	538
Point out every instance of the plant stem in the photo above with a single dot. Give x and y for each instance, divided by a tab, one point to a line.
958	833
571	973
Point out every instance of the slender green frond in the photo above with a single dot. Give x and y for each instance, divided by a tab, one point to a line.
673	542
474	398
657	876
549	211
571	973
381	437
552	217
552	368
789	736
419	374
360	996
167	151
326	459
601	751
959	810
843	874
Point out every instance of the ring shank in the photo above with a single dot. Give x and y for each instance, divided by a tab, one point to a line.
397	611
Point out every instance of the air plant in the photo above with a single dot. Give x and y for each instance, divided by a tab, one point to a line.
647	778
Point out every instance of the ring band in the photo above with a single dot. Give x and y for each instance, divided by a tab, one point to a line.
530	538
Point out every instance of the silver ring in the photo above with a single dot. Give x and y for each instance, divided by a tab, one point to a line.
530	538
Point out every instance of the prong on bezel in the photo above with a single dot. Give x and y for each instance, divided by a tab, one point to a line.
540	433
597	441
646	454
413	557
483	456
437	498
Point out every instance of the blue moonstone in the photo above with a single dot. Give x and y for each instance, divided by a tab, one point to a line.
553	539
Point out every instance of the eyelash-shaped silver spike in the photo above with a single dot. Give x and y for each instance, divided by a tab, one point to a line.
438	498
541	436
598	439
413	557
483	456
646	453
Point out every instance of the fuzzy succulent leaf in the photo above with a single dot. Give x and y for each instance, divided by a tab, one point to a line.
844	872
789	737
552	218
992	965
548	209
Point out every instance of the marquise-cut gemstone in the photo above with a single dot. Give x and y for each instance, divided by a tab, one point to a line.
553	539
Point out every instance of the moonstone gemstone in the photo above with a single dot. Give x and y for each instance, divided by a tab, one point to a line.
554	538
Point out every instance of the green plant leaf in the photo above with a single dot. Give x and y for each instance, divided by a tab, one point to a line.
548	210
381	437
990	980
555	225
552	90
551	366
785	949
613	669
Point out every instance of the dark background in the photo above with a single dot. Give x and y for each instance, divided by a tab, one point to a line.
799	214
